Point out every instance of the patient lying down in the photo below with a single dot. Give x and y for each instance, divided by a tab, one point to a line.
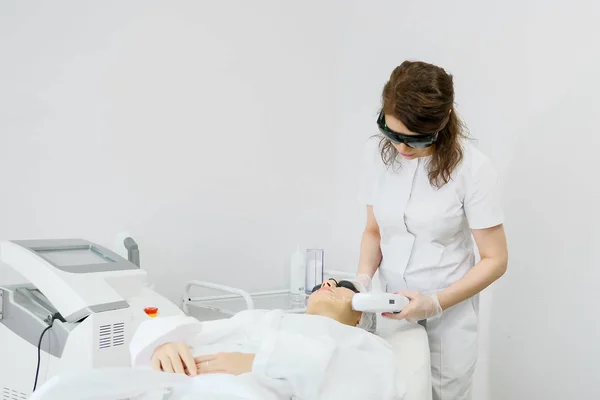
331	300
259	354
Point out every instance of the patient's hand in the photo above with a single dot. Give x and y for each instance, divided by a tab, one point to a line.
225	363
175	358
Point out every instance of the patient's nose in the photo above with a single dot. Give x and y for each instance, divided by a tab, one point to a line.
327	284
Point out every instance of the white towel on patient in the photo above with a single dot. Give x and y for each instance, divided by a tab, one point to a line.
306	356
144	384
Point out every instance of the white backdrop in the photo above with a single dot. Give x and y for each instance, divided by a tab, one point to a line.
202	128
222	134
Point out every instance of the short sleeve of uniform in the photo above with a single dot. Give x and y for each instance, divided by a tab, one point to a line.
368	173
482	200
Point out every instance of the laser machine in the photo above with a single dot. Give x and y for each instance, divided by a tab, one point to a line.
79	309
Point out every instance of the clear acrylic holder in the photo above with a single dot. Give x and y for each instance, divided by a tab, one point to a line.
315	261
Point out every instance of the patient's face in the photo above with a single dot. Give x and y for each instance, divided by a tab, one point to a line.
334	300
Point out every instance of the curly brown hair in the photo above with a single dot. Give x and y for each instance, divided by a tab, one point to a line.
421	96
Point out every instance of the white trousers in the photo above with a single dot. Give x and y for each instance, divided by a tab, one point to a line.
453	346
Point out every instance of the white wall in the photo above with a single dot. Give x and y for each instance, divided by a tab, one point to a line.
527	83
220	134
202	128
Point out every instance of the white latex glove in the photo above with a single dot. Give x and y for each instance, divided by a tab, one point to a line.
365	281
420	307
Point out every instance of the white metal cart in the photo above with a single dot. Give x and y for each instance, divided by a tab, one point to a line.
235	299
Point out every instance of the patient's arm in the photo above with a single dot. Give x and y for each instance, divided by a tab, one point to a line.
179	329
329	369
156	332
235	363
174	357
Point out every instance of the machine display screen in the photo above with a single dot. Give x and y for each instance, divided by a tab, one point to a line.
73	257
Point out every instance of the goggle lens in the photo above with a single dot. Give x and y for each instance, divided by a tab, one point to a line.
413	141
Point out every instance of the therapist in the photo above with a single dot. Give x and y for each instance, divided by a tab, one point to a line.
428	192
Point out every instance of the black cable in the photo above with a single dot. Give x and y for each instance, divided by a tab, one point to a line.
39	348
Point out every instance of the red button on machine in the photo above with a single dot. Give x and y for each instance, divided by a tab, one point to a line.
151	311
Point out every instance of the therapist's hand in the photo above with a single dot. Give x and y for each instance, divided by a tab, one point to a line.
419	308
225	363
175	358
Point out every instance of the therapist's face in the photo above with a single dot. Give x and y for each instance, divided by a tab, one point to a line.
334	302
406	152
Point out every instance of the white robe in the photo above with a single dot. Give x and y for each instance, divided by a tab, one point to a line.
298	356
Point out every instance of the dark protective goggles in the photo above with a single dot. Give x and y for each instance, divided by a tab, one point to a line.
344	284
414	141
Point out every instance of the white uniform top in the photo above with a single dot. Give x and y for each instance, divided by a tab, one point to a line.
426	239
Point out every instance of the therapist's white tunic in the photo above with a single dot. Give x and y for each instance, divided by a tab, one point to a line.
426	245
